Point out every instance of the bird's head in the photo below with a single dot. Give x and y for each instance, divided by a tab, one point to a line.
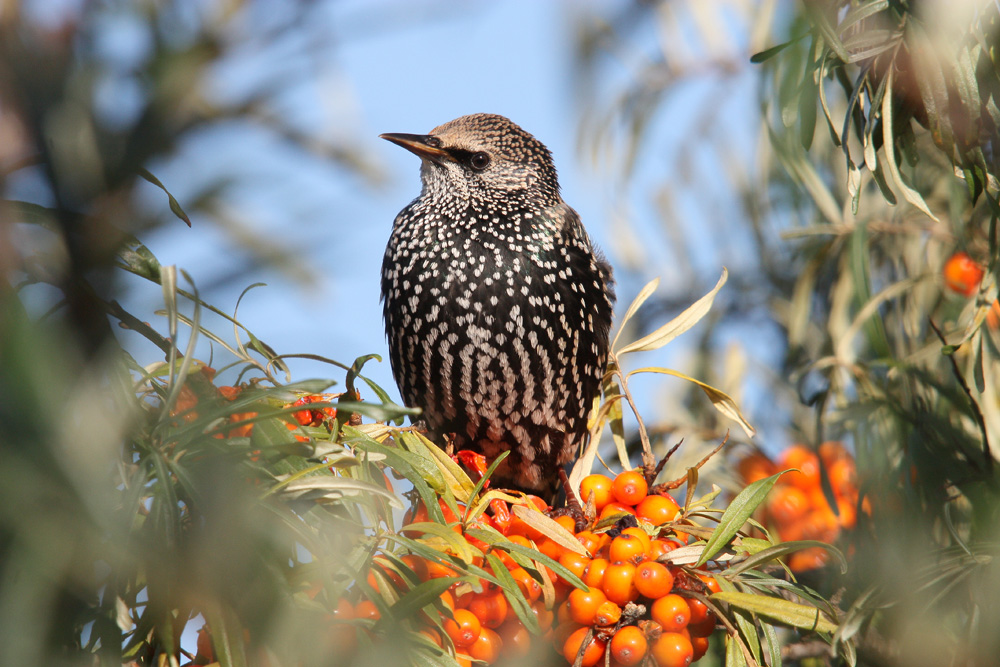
483	157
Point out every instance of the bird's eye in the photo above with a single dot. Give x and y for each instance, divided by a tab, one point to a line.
433	142
479	161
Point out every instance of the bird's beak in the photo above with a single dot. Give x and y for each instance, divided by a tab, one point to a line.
417	144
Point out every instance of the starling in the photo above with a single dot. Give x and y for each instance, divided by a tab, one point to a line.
497	306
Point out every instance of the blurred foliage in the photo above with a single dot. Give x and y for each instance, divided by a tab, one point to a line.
851	228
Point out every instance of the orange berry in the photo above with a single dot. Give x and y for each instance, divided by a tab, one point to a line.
574	562
619	584
436	570
630	487
567	522
432	635
672	649
464	628
787	504
629	646
418	565
593	576
658	547
591	541
516	639
367	609
343	612
755	467
551	548
583	605
657	509
831	451
614	508
699	612
574	644
653	580
710	583
529	587
806	476
843	477
671	612
641	534
626	548
962	274
544	616
702	628
608	613
486	647
600	487
808	559
490	607
700	646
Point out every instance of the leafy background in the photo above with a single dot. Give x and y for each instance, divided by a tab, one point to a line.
832	177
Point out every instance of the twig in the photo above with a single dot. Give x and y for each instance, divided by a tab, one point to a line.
976	412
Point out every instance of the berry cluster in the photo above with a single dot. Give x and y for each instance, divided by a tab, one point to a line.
635	609
797	507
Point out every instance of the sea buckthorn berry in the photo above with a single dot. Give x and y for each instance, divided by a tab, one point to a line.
343	612
787	504
671	612
710	583
463	628
418	565
583	605
755	467
516	639
699	612
658	547
529	587
593	576
831	451
642	535
619	584
806	475
432	635
614	508
843	477
562	613
702	628
962	274
626	548
567	522
486	647
629	646
592	654
575	563
551	548
630	487
591	541
544	616
653	580
490	607
367	609
700	646
657	509
608	613
672	650
600	487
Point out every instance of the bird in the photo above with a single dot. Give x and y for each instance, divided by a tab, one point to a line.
497	305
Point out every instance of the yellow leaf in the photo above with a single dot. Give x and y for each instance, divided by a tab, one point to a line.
549	528
720	399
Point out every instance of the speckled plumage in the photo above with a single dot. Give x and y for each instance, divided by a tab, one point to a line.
497	307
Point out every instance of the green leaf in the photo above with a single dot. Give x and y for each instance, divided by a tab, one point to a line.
785	548
679	324
783	611
909	194
513	594
769	53
420	596
736	515
174	204
734	652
